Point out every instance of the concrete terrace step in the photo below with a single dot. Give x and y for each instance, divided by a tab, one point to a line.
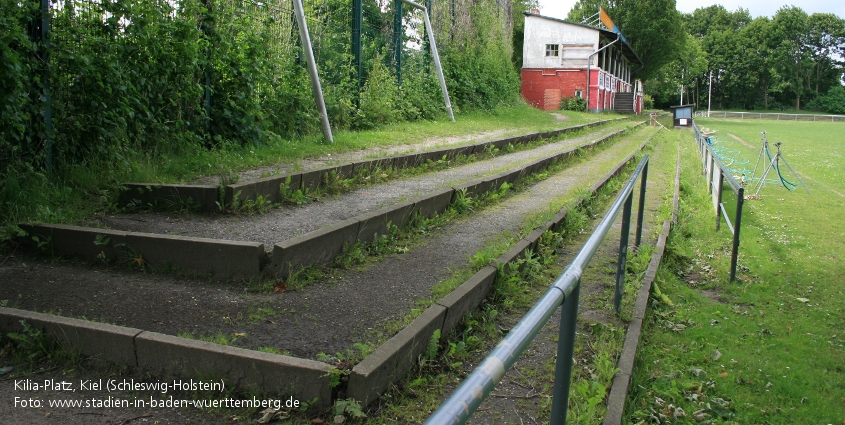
163	355
209	197
318	236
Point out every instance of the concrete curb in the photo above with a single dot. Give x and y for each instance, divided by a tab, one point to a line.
225	259
622	380
100	341
204	197
207	197
166	355
369	378
393	359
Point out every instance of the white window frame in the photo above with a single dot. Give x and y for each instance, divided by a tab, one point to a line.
552	48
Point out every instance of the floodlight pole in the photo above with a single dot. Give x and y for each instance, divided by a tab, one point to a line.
305	39
436	56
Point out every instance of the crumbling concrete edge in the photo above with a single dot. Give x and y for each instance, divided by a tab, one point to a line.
199	256
622	379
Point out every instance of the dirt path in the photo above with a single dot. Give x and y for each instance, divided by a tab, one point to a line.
290	221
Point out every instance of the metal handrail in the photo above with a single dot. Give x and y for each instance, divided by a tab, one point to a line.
464	401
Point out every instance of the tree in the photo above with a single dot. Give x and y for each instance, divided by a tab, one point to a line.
825	41
653	28
519	7
793	58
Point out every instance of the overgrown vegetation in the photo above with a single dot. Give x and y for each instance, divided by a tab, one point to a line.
137	87
31	350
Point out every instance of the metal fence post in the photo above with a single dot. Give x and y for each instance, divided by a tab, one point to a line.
206	31
317	90
397	40
565	350
357	24
642	206
44	38
740	197
623	253
719	200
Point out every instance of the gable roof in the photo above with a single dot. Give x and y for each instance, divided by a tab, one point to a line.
626	49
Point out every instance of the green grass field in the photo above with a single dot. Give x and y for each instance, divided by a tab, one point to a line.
767	348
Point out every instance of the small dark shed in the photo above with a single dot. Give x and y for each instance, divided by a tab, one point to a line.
682	115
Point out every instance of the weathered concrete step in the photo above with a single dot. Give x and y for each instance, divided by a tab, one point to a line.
210	198
236	260
165	355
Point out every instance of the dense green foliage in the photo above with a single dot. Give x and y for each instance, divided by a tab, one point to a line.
765	63
137	82
653	28
790	60
154	76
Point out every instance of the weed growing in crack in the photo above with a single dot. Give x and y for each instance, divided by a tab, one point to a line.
592	381
32	349
463	203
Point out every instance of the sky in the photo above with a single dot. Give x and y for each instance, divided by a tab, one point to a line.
560	8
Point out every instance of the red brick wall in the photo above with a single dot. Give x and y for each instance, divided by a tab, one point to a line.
539	90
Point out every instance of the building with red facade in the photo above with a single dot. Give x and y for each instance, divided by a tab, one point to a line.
566	59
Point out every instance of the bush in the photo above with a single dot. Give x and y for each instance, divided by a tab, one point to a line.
378	98
573	104
833	102
648	102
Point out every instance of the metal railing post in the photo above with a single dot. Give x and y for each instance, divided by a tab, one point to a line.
565	350
719	200
623	253
642	206
740	197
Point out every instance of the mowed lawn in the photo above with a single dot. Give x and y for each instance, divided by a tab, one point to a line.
768	348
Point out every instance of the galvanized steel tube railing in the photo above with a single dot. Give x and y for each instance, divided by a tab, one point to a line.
464	401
